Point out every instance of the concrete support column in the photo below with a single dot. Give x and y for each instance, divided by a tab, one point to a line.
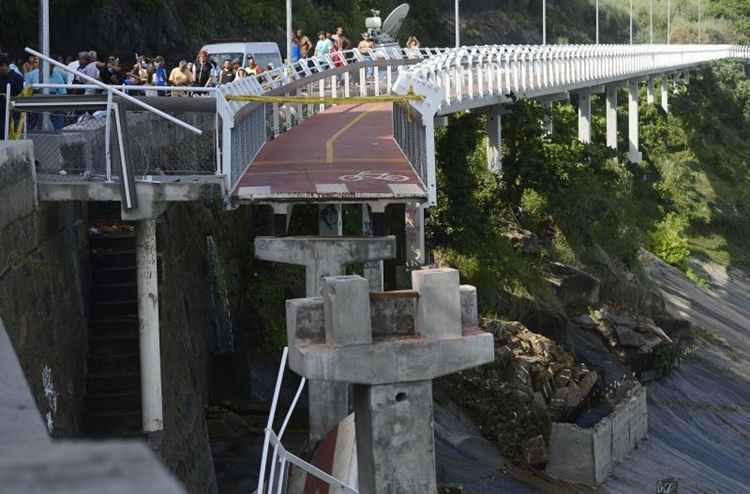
373	224
415	249
651	92
665	93
395	438
330	220
494	140
612	116
584	116
281	219
548	123
148	323
634	155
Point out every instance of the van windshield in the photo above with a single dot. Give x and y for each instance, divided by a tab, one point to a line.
218	58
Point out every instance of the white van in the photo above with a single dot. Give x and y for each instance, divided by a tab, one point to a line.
265	53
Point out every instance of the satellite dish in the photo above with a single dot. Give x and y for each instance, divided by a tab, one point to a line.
395	19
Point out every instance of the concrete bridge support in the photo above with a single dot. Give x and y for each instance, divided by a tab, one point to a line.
373	224
634	155
584	116
548	122
415	248
495	139
651	91
148	320
611	108
324	257
362	340
665	93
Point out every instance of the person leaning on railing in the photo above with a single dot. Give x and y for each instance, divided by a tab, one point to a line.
12	78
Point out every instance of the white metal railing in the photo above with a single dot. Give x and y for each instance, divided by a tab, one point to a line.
281	458
477	72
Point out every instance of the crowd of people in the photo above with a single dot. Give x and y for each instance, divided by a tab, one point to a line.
333	44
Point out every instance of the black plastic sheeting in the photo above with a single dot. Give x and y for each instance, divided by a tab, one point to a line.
699	417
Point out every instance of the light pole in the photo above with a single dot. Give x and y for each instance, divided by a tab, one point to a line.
631	22
669	20
597	22
44	39
544	22
288	31
458	27
700	21
651	22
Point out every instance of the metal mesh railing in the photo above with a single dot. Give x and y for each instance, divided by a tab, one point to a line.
158	147
248	136
410	134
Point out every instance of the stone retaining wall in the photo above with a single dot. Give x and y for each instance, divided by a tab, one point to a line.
587	456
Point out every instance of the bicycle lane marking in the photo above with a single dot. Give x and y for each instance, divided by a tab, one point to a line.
332	140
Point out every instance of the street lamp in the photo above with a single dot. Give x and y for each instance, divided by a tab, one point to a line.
44	39
651	22
544	22
597	22
288	31
631	22
669	20
458	27
700	21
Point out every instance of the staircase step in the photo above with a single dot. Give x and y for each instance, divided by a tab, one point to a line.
110	360
108	382
112	241
114	308
109	274
113	423
108	259
106	292
124	402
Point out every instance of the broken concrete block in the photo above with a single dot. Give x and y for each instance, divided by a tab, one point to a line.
469	308
304	320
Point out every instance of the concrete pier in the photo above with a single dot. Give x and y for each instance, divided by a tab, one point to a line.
665	93
390	345
584	116
611	105
634	155
650	91
495	139
323	257
148	321
415	248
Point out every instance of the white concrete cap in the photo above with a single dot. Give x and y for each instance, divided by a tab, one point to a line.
439	308
346	304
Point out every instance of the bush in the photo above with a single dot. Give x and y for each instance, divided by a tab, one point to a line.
668	240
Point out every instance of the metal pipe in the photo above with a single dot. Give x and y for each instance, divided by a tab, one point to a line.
669	20
651	22
700	21
544	22
271	417
108	138
6	123
129	98
44	38
148	320
126	87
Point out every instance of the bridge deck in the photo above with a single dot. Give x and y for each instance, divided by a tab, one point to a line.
344	154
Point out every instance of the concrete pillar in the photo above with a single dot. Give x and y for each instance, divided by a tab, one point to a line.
395	438
392	373
330	220
650	91
634	155
281	219
148	323
325	257
584	116
548	123
665	93
494	139
373	224
415	249
612	116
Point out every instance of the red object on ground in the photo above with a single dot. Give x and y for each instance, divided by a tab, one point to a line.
346	153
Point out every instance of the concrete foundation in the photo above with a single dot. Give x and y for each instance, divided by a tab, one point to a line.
405	339
584	116
587	456
634	155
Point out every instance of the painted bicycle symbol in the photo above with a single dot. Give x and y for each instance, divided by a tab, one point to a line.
373	175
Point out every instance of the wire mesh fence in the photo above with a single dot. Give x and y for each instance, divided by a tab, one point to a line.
74	142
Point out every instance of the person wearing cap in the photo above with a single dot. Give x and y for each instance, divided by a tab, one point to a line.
252	67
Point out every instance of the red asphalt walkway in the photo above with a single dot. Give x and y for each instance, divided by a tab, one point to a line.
346	153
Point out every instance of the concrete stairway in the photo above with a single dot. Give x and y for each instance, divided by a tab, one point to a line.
113	398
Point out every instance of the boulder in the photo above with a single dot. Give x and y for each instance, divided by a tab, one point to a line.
628	337
572	286
535	450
